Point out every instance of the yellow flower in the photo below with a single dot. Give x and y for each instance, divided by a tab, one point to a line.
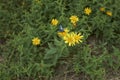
102	9
109	13
64	33
54	22
78	37
69	39
74	19
87	10
73	38
36	41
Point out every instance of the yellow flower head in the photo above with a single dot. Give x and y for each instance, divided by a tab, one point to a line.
54	22
64	33
102	9
69	39
78	37
109	13
74	19
87	10
73	38
36	41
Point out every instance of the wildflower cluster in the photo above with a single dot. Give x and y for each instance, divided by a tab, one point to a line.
70	38
73	38
102	9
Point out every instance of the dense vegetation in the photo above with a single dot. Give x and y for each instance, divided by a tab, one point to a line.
42	39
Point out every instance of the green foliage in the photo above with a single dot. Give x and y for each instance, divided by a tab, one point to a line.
55	52
23	20
113	59
89	64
